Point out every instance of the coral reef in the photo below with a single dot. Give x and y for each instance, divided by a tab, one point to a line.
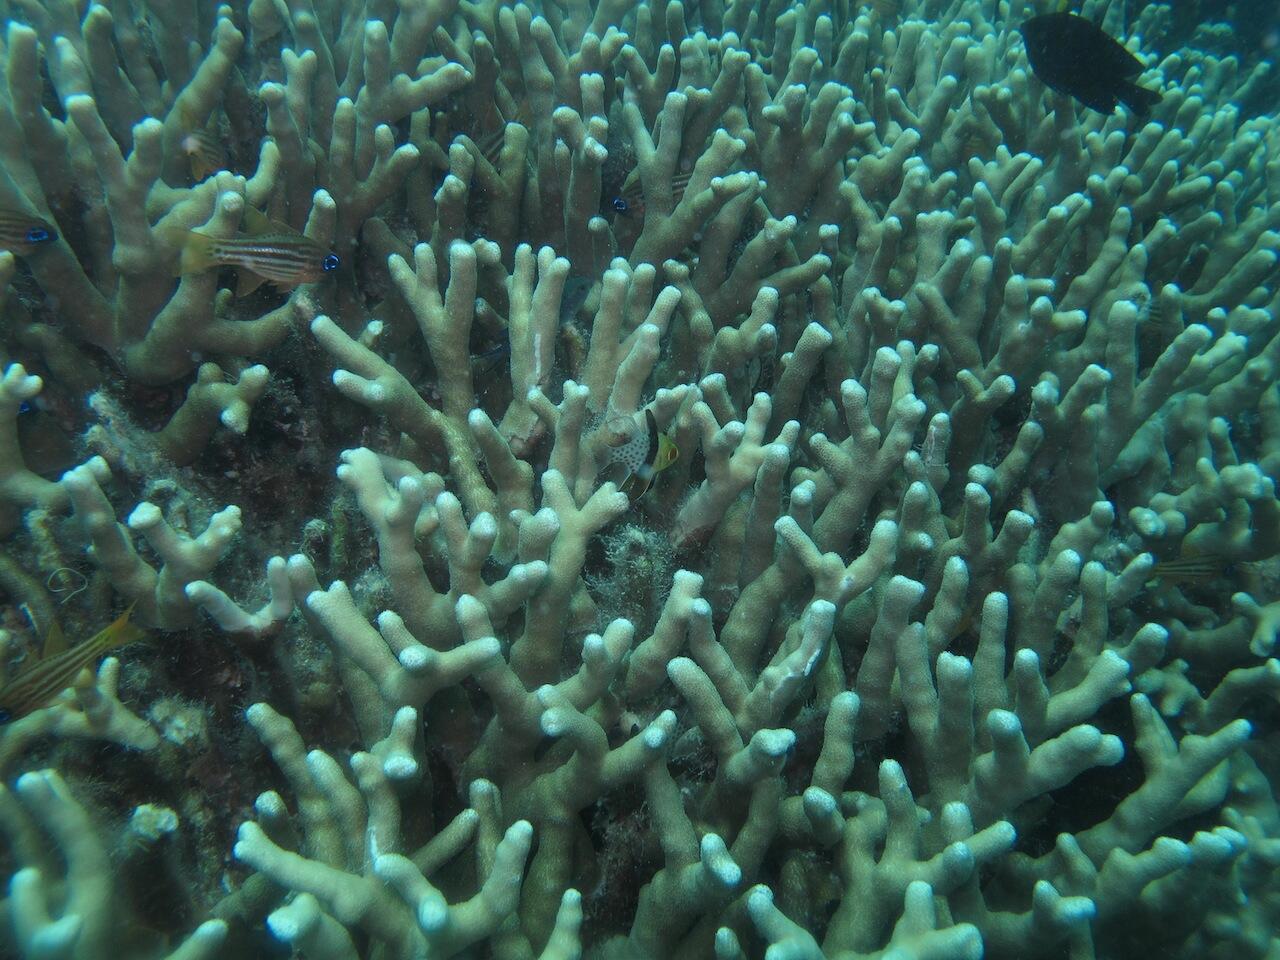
943	628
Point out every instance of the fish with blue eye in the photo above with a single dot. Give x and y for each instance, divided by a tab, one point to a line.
629	201
22	233
268	252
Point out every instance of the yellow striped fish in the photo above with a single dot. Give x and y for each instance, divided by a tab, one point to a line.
57	669
22	232
269	251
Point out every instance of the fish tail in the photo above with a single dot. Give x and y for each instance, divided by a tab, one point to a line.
120	632
197	253
1139	99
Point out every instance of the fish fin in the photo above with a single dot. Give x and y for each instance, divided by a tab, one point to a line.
1139	99
200	169
246	282
636	485
121	631
197	253
258	224
55	641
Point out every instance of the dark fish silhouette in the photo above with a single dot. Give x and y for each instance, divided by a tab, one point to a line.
1071	55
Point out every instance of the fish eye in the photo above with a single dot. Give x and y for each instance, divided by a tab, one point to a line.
24	406
330	262
38	235
5	715
619	204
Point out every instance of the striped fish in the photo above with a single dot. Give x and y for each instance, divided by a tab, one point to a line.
490	145
270	252
57	669
630	199
22	232
204	153
1206	566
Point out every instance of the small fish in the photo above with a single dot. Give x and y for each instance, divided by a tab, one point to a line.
22	233
490	145
501	349
641	454
886	9
269	251
1072	56
59	666
204	152
630	199
576	291
1198	568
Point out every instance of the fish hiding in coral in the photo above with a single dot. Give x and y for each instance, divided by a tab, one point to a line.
204	152
630	199
1198	568
21	232
1073	56
886	10
59	666
576	291
268	252
640	454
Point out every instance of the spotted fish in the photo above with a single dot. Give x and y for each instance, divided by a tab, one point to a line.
639	454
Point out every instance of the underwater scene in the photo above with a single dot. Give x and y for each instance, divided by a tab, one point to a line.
639	480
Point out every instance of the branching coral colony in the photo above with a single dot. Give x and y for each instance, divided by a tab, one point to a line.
925	646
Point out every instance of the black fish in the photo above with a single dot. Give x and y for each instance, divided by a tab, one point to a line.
1071	55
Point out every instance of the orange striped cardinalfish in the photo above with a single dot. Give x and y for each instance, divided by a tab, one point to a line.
641	454
630	199
204	152
22	232
59	666
269	252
